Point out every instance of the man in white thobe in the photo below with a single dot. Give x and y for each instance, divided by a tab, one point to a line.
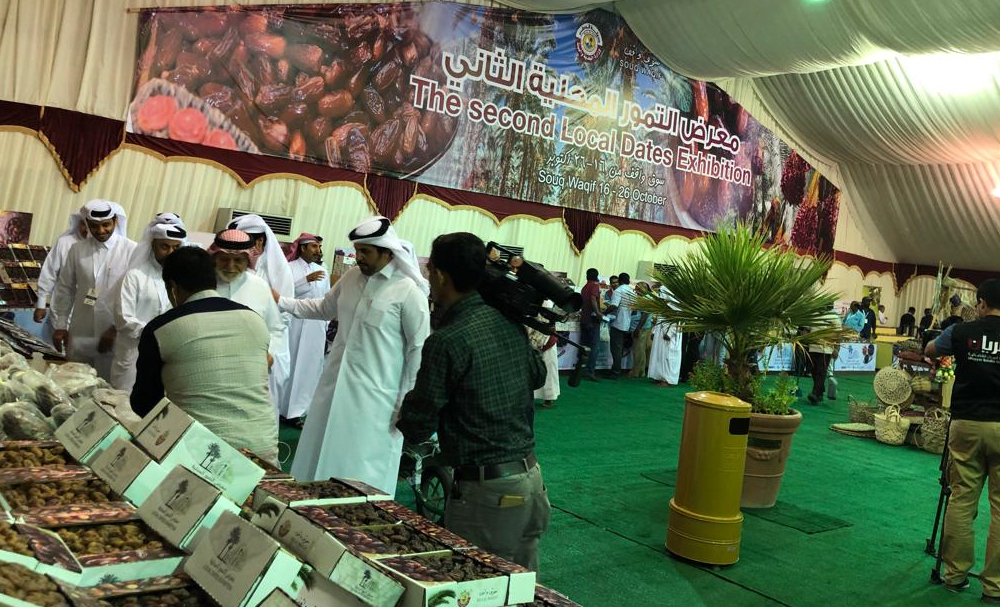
381	306
233	254
548	345
306	338
270	264
142	295
49	274
83	309
667	351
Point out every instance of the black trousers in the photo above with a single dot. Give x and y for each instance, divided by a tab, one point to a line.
820	363
618	350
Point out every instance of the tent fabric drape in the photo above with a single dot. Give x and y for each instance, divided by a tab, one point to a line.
247	168
390	195
79	142
911	143
581	225
30	181
20	115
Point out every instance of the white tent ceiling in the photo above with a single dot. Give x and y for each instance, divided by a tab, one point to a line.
912	138
894	99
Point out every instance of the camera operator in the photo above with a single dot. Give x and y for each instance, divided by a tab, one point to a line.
974	441
474	387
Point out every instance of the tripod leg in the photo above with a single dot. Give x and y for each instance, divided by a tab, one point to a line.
942	512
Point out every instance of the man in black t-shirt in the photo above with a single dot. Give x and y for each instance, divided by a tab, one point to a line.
907	322
974	442
925	322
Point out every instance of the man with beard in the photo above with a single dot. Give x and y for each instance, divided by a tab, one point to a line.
306	338
382	310
142	295
233	253
83	309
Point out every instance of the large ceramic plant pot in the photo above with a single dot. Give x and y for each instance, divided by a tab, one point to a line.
768	446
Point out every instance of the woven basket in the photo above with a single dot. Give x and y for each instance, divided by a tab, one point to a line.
859	430
910	345
892	386
890	427
934	430
860	412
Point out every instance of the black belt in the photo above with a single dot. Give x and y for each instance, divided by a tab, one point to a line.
492	471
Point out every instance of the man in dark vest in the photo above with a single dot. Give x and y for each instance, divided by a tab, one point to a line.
974	442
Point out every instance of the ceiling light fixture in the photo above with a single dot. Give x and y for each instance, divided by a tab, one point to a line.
952	73
996	192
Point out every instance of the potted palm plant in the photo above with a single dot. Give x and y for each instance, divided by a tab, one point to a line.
749	297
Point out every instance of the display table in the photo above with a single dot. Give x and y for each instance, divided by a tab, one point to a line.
854	356
883	357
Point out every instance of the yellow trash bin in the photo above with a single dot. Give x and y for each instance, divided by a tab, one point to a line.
705	519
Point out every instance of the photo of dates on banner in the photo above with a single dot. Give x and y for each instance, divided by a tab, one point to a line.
568	110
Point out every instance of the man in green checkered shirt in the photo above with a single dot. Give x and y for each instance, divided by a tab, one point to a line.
475	388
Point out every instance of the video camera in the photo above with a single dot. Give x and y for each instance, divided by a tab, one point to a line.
518	289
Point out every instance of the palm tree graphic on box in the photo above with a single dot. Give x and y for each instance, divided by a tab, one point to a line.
88	421
211	454
118	457
181	489
226	555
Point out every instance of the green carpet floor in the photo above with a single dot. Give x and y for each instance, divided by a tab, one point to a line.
850	527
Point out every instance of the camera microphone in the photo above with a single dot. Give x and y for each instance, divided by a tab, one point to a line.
581	361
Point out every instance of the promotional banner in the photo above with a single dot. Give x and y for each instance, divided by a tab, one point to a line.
567	110
15	227
853	356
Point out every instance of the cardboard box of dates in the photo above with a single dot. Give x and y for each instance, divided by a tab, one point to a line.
82	545
184	507
54	490
15	546
271	472
465	578
22	587
168	591
286	494
240	566
338	552
415	521
24	458
90	431
172	438
546	597
128	470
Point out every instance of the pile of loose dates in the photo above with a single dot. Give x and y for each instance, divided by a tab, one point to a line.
26	585
178	597
57	493
416	570
403	540
361	515
114	537
330	83
34	456
12	541
329	489
459	568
